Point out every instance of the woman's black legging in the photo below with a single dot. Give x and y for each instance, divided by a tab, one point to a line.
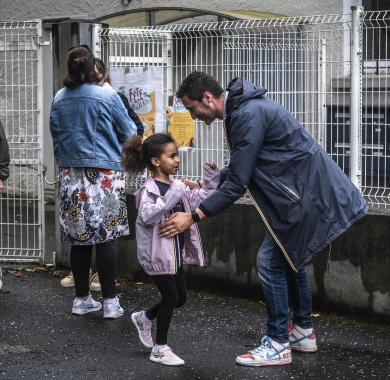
173	294
80	261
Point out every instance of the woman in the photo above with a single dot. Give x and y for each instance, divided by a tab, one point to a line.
89	124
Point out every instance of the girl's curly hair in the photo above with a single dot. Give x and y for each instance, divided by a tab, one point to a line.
136	156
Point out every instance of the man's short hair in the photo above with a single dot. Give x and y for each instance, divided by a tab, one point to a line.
195	84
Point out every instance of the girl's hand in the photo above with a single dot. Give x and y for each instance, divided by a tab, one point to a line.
191	184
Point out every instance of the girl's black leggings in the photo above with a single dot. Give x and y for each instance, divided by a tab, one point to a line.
80	261
173	294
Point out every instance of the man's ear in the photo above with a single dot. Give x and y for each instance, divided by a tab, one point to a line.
207	97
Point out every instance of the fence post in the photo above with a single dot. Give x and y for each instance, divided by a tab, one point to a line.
356	96
40	128
322	95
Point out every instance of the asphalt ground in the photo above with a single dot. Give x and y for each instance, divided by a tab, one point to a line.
40	338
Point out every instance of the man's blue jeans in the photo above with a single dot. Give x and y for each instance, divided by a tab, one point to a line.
280	283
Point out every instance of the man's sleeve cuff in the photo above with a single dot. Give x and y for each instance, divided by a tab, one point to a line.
205	211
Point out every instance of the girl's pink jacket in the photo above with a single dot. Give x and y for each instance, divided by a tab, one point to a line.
157	254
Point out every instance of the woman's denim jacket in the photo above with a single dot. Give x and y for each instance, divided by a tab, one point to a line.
88	125
157	254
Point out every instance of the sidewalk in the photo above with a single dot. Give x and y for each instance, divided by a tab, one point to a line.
40	338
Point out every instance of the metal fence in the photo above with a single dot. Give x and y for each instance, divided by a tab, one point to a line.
330	71
375	108
21	203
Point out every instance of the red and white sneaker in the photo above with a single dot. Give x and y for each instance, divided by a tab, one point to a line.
302	340
269	353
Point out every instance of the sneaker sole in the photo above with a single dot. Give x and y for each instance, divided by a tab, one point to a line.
67	285
147	345
85	311
95	288
311	350
157	360
250	364
115	316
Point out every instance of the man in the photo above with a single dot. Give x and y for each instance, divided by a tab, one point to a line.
303	197
4	170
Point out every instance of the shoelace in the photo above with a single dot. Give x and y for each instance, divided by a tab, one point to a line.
167	351
110	305
264	345
145	326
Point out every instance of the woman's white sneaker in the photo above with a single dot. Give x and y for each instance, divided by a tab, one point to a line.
68	281
112	308
302	340
165	356
81	306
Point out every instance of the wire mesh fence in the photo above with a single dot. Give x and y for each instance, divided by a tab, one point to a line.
375	109
311	65
21	202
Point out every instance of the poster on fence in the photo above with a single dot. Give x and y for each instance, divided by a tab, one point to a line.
180	124
143	87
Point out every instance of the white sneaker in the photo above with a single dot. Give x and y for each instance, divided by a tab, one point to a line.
144	328
68	281
81	307
268	353
165	356
112	308
94	283
303	340
1	278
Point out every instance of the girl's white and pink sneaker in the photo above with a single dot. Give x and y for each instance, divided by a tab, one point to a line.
165	356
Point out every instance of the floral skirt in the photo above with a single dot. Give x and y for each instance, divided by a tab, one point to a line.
92	205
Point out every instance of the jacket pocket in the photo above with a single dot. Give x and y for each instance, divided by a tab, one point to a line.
287	189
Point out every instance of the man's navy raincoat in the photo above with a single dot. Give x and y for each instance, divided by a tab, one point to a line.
304	198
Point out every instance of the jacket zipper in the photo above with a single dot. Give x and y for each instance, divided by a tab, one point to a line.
197	228
278	242
174	254
292	192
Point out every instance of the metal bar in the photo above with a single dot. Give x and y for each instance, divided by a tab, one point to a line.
40	124
322	96
356	101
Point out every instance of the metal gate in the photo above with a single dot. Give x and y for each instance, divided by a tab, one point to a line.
314	66
21	203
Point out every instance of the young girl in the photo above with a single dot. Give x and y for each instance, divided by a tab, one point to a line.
161	257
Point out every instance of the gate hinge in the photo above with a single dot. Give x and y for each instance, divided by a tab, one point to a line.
44	43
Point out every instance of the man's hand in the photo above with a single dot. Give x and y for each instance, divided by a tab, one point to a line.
176	223
1	185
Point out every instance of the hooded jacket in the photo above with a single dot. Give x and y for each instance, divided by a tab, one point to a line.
303	197
157	254
4	155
